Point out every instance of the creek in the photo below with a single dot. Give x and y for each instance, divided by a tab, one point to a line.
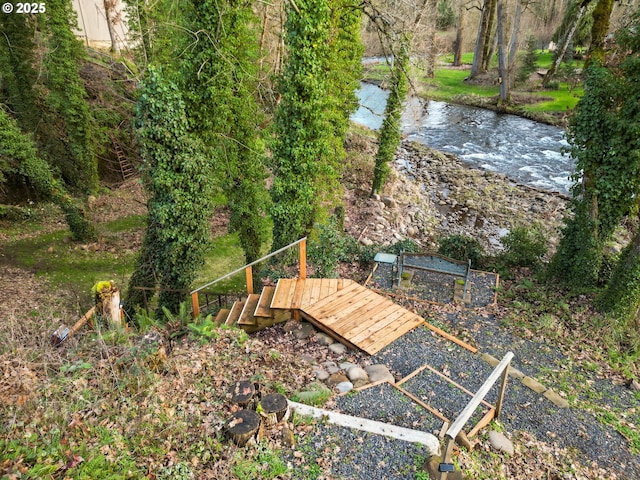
526	151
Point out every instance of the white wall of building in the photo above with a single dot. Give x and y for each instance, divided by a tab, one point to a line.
92	23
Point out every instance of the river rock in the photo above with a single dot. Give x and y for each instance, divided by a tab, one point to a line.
500	442
338	348
324	339
357	373
336	378
331	367
344	387
378	373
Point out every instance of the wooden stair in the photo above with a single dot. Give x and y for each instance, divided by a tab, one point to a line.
352	314
252	313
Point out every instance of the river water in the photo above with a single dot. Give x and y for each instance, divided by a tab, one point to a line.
526	151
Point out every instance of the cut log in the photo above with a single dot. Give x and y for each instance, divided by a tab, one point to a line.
242	393
274	409
243	426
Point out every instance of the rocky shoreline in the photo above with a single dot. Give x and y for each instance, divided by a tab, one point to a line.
432	194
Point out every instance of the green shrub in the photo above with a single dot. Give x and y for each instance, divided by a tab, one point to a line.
328	246
524	247
461	247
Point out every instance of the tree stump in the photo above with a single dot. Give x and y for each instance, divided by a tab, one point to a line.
243	426
242	393
274	408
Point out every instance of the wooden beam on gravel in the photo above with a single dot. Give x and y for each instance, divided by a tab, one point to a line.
371	426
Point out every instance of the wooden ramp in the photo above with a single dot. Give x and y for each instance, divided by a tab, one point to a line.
349	312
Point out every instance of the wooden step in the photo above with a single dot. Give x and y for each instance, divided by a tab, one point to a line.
263	309
235	312
246	316
221	317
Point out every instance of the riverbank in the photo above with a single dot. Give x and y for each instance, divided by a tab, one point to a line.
432	194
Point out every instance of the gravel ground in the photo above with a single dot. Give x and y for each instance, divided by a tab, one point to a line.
372	457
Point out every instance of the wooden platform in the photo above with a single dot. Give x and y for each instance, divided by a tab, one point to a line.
347	311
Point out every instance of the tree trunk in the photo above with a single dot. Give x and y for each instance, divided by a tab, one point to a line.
481	40
513	44
457	45
622	294
243	427
503	63
601	16
489	43
566	41
109	7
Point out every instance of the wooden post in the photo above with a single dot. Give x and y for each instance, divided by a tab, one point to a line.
503	386
249	275
446	455
195	306
303	259
111	307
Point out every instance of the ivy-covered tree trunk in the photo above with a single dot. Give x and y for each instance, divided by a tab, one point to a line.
18	156
178	178
603	135
304	135
220	77
390	132
601	16
67	98
17	61
621	296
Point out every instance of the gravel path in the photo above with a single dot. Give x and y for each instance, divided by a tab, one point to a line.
372	457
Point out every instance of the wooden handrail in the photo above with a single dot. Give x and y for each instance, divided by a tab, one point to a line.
501	369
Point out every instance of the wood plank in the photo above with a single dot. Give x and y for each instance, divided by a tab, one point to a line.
364	331
264	304
234	315
374	346
325	287
339	300
329	332
306	296
284	293
246	316
362	312
406	318
297	294
346	292
343	313
221	316
315	292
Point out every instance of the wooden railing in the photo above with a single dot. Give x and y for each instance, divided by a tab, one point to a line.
450	437
248	269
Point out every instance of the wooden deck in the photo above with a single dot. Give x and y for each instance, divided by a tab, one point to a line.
349	312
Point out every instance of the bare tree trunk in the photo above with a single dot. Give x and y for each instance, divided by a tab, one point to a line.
513	44
457	45
503	63
566	41
489	46
109	7
478	53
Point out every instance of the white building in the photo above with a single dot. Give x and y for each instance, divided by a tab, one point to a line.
93	28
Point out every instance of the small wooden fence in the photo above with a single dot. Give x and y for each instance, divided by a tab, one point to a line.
248	269
502	369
